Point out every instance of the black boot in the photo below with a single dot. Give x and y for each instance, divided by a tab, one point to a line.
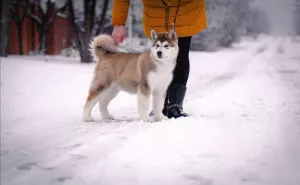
174	100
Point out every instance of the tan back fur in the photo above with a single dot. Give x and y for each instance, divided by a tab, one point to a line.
128	70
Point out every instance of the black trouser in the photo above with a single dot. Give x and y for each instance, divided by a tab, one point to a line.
176	90
182	69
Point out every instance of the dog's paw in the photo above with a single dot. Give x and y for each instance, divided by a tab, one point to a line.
160	118
88	119
107	117
145	118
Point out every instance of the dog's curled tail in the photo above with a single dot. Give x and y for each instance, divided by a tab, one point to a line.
103	44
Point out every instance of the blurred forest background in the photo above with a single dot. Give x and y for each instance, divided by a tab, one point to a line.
65	27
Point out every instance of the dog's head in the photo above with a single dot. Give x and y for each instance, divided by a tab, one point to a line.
165	46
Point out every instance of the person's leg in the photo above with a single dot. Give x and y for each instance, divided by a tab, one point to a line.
182	69
176	91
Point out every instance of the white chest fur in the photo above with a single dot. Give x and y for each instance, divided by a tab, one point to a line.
160	79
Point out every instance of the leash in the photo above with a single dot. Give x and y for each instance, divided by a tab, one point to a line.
167	14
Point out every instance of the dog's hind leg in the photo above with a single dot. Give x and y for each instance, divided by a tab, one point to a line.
99	84
91	101
144	101
104	99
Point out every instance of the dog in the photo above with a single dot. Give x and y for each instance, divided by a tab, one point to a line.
145	74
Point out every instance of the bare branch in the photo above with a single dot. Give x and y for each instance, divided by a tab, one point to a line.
13	13
17	14
75	26
78	27
92	18
102	19
42	14
36	19
25	10
54	16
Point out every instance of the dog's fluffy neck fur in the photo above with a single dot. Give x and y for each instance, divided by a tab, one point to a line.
165	65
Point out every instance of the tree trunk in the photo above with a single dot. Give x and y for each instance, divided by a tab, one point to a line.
20	38
83	44
44	23
42	42
89	13
75	28
4	27
19	19
102	19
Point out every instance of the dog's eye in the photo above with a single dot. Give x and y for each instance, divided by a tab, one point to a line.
166	46
157	45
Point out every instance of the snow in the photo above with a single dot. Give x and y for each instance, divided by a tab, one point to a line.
244	126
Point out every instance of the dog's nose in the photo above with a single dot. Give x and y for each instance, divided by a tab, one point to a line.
159	53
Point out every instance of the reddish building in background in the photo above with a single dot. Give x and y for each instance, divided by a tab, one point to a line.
58	36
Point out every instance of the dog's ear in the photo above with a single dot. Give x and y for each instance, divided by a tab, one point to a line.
153	34
173	35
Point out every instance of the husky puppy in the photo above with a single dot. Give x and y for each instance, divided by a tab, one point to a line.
145	74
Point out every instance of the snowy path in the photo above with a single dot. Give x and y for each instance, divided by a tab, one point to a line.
244	128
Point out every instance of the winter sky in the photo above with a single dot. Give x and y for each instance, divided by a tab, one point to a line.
280	13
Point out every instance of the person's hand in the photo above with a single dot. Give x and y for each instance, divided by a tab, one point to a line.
119	34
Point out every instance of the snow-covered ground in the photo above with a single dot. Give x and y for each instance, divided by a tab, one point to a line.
244	126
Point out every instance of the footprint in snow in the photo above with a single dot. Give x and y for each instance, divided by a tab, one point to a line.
62	179
27	166
198	179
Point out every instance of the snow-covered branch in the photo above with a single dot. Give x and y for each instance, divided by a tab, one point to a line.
36	19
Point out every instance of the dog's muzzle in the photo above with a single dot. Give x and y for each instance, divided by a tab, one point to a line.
159	54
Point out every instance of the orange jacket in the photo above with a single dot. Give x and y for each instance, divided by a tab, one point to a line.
191	16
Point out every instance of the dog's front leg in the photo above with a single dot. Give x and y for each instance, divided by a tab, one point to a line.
158	104
144	102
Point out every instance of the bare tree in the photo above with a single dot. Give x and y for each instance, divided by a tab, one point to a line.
4	27
258	22
103	17
18	17
84	30
44	22
75	27
296	19
229	21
